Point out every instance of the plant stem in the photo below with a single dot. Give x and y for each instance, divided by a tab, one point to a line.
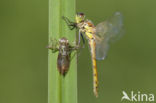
61	89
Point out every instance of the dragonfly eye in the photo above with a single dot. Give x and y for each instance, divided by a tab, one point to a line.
80	14
80	17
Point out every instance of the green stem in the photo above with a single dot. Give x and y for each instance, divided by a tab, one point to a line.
61	89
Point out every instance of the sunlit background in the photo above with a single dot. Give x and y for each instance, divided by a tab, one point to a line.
130	65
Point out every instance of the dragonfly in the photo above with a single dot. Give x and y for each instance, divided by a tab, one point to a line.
99	37
64	50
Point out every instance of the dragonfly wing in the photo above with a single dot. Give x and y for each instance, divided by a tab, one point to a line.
106	32
101	49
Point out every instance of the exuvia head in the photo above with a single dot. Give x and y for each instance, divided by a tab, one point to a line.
80	17
63	41
64	44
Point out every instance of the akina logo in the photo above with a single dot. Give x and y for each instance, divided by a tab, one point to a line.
137	96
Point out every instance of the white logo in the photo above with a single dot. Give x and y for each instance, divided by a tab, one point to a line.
138	96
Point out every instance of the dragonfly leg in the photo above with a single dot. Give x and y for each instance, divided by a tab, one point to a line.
83	40
53	45
81	36
74	48
77	50
70	24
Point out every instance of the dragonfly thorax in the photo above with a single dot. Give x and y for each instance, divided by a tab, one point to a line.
64	47
64	50
87	28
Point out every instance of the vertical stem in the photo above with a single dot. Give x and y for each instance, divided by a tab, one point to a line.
61	89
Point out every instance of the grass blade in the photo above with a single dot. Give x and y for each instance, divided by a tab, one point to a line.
61	89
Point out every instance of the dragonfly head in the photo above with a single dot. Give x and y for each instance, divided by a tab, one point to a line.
80	17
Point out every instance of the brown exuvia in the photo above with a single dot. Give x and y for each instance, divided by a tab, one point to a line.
64	55
63	59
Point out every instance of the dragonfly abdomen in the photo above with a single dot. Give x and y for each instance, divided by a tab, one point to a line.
95	74
63	63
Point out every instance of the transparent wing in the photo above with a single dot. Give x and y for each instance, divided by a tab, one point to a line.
106	32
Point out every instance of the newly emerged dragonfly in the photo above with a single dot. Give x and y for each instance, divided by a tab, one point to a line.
99	37
64	56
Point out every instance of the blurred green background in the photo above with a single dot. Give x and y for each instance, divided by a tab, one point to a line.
130	64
